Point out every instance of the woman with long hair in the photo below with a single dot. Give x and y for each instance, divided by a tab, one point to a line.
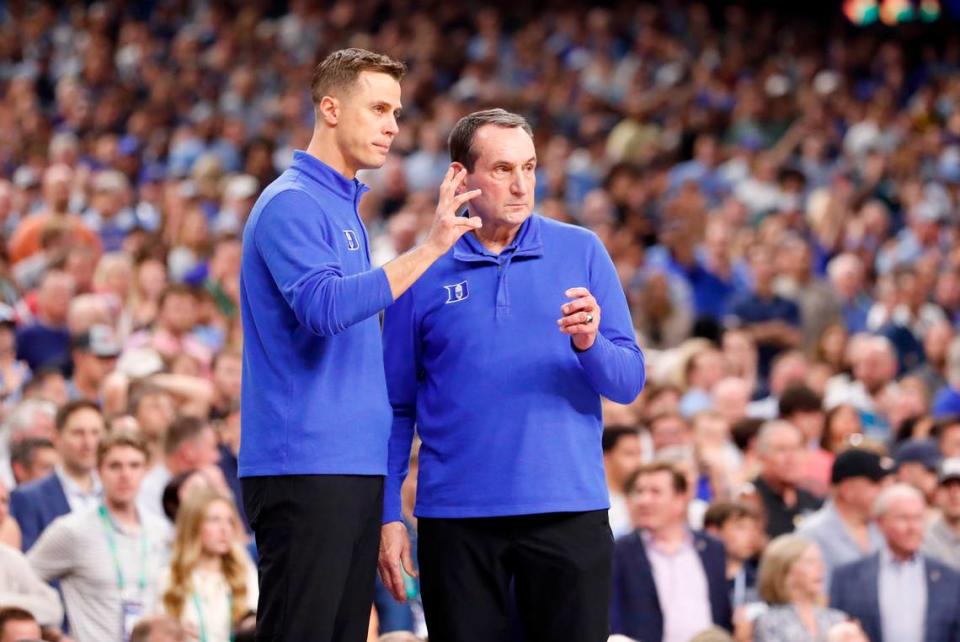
211	585
791	583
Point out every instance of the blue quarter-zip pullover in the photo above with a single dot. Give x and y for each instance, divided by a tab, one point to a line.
507	410
314	398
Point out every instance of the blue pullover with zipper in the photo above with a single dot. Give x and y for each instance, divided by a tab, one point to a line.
313	397
507	410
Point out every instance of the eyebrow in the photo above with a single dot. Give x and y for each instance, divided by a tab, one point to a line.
384	103
506	162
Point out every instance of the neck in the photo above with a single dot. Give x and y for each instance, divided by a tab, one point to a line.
733	567
81	477
495	237
209	562
776	485
670	534
88	388
953	523
324	148
901	555
123	512
850	515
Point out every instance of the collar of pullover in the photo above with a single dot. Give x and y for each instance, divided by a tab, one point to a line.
527	242
349	189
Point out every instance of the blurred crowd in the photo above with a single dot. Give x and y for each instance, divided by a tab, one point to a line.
780	195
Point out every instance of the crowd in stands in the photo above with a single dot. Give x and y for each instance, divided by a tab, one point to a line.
780	195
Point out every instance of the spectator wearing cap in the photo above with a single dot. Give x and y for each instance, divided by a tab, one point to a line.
917	461
780	447
899	594
14	372
842	527
95	354
74	484
46	341
942	541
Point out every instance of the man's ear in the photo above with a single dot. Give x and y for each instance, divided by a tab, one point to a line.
458	167
328	111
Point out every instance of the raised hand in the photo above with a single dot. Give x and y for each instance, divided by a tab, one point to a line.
447	227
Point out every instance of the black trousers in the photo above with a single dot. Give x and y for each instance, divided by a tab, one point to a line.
559	564
318	538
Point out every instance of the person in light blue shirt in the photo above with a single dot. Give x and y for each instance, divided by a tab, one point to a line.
314	411
500	355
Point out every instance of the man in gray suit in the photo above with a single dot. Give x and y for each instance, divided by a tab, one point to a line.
898	594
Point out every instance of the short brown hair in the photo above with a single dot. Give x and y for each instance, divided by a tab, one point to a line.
461	138
72	407
119	438
341	69
677	478
721	512
14	614
183	429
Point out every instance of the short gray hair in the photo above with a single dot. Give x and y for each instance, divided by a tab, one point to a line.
891	494
772	426
463	133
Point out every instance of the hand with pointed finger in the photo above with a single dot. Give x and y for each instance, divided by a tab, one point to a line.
395	551
581	318
447	227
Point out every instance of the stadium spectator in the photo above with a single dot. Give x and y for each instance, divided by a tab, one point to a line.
211	584
668	582
33	458
190	444
898	593
843	528
780	449
942	541
74	485
622	454
107	557
791	583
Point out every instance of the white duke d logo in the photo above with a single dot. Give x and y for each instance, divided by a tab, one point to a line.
457	292
353	243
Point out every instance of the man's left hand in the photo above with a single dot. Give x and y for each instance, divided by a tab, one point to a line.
581	318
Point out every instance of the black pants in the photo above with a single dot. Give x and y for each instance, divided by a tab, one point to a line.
559	563
318	538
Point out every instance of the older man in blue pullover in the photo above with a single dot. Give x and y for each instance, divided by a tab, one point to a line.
314	410
500	355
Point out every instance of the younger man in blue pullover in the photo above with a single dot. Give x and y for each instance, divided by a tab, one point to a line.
314	411
500	355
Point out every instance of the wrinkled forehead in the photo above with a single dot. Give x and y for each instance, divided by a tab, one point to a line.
495	144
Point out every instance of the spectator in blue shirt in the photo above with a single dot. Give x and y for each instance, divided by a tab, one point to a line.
772	320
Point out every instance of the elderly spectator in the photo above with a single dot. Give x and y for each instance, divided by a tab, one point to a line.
846	274
780	447
900	594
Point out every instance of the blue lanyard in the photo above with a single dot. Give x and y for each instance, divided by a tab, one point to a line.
203	625
108	529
